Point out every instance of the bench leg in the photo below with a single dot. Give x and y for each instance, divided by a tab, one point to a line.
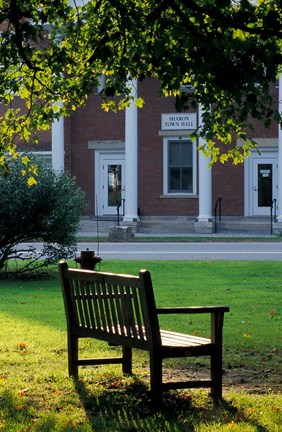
216	357
156	376
216	375
127	360
73	356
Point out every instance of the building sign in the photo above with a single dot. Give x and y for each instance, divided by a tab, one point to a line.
265	172
175	121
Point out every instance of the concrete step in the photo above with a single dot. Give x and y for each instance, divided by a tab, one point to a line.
93	227
228	225
166	224
178	225
240	225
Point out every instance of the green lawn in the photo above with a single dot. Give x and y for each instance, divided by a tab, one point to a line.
36	393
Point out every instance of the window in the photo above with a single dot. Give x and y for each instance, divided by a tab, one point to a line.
45	155
179	166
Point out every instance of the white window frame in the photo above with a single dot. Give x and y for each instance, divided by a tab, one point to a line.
45	155
165	167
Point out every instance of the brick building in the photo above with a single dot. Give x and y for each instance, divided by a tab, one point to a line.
145	160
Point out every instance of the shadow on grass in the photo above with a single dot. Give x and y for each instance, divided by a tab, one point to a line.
123	405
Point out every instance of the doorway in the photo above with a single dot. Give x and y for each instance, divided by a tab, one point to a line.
110	183
264	184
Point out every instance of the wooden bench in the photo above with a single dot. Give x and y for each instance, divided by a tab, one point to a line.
121	310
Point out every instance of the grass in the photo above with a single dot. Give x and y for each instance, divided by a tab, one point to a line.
36	393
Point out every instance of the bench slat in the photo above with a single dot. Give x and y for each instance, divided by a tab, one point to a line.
121	325
141	330
78	299
85	304
178	339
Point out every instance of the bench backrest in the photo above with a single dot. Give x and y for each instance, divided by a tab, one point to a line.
113	307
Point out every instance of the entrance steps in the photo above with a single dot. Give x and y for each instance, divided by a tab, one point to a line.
92	226
164	225
244	225
228	225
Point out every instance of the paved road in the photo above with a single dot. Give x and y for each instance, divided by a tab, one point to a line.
186	251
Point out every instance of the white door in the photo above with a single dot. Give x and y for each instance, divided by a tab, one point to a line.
265	184
112	185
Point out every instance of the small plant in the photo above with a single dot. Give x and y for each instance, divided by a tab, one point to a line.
48	211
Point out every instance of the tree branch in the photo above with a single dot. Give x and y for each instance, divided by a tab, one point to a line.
15	20
234	19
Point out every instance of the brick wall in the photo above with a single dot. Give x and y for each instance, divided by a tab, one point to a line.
86	124
150	156
228	183
92	123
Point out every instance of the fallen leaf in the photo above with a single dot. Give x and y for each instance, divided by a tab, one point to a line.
23	345
19	407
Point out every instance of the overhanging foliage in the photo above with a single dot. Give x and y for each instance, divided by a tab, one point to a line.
228	52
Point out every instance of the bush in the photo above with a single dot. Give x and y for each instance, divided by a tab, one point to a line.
48	212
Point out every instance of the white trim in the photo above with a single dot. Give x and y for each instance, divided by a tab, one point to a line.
179	133
204	178
266	153
279	214
247	183
106	145
46	155
166	140
99	156
131	155
41	152
58	142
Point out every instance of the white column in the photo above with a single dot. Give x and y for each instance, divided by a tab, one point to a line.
58	143
205	182
131	160
279	215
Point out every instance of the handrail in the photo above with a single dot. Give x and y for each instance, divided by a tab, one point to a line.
118	207
273	206
217	205
119	204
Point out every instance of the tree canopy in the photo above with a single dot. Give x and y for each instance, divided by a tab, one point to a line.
227	52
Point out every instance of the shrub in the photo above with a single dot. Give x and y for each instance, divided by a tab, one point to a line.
48	212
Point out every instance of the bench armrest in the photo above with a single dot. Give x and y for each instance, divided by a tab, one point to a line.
192	310
217	316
